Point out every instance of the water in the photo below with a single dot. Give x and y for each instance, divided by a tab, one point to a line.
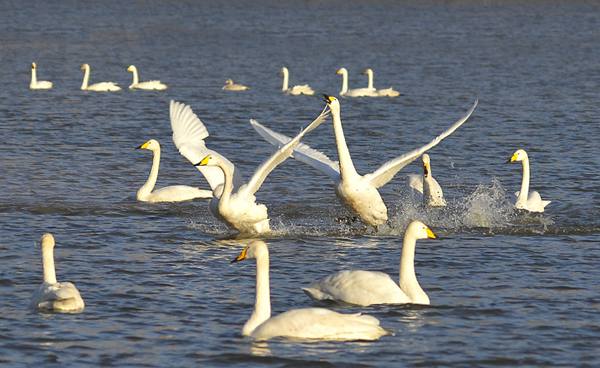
506	288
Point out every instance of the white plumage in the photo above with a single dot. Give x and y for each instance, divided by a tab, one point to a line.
357	92
529	201
36	84
302	89
152	85
97	87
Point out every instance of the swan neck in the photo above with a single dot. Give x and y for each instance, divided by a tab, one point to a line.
262	302
151	182
48	264
33	76
344	83
286	78
370	84
228	171
346	165
408	278
136	79
86	78
524	193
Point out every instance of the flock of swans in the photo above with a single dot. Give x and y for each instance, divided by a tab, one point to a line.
233	201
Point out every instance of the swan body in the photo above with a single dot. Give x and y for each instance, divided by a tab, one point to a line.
385	92
238	208
231	86
368	287
51	295
153	85
305	323
174	193
303	89
433	195
358	92
529	201
359	193
36	84
97	87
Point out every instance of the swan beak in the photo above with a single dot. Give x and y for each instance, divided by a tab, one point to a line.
513	158
204	161
425	169
241	256
328	99
143	146
430	234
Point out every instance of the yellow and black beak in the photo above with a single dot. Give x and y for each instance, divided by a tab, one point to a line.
143	146
430	234
204	161
328	99
512	158
241	256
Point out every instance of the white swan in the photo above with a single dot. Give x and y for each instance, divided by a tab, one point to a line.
303	89
359	193
98	87
36	84
153	85
426	184
358	92
368	287
174	193
238	207
385	92
52	295
305	323
531	202
231	86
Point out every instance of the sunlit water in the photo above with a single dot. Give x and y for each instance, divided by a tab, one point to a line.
507	288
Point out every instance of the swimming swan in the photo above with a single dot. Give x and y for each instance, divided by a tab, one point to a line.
358	92
98	87
303	89
305	323
433	195
231	86
36	84
238	207
369	287
359	193
385	92
527	201
52	295
153	85
174	193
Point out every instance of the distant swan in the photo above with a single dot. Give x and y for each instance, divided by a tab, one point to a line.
153	85
531	202
36	84
231	86
358	92
369	287
303	89
52	295
426	184
174	193
98	87
305	323
385	92
359	193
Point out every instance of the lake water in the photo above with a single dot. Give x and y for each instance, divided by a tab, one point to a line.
506	288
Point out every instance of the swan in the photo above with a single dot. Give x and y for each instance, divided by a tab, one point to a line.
369	287
385	92
98	87
303	89
304	323
231	86
153	85
531	202
238	207
357	192
426	184
174	193
53	295
36	84
358	92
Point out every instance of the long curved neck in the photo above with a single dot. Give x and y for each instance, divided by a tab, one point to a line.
524	193
286	78
33	76
262	302
151	182
228	171
346	165
344	83
86	78
370	76
48	265
136	79
408	278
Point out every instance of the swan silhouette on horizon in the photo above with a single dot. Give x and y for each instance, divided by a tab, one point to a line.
529	201
385	92
152	85
36	84
303	89
97	87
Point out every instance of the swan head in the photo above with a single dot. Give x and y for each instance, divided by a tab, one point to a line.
131	68
341	71
33	65
367	71
151	145
519	155
47	241
420	231
283	71
85	66
333	103
256	249
426	164
229	82
208	160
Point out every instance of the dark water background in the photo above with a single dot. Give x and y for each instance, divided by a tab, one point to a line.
506	289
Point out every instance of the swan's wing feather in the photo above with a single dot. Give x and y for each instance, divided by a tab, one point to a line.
415	181
302	152
387	171
281	154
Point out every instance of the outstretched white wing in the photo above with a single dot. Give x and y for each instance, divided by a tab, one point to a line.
387	171
302	152
188	135
282	154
